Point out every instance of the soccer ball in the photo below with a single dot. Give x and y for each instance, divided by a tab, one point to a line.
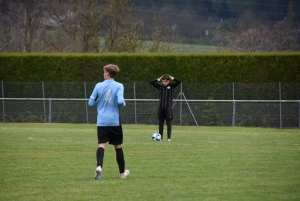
156	137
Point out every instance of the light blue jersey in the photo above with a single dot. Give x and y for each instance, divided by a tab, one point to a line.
108	95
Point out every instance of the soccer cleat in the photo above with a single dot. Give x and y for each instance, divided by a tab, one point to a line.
98	173
125	174
169	140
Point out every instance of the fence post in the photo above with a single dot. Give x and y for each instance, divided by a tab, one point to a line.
279	94
233	106
3	108
233	91
134	95
86	104
180	103
233	113
43	91
49	110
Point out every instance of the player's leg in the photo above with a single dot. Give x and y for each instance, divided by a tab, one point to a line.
161	121
100	154
161	127
102	139
121	161
169	129
169	117
120	158
99	161
116	138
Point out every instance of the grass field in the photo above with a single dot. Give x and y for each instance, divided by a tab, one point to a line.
57	162
187	48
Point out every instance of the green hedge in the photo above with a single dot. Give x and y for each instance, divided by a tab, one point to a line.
191	68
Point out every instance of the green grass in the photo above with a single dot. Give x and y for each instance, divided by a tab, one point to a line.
57	162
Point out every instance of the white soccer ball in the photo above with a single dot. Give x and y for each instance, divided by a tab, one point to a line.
156	137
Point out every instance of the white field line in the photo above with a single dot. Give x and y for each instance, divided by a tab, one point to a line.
80	141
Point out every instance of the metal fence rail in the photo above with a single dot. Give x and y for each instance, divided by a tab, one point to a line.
220	104
255	113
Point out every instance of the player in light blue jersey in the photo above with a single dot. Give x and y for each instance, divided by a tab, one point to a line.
109	95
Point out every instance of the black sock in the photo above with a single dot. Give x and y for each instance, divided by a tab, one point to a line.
100	156
169	128
161	128
120	160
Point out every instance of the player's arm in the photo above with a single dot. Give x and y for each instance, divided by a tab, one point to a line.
176	82
120	96
155	82
93	97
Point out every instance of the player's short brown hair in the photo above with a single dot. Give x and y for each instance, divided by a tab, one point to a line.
112	69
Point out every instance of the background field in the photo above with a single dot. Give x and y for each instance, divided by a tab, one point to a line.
190	48
57	162
180	47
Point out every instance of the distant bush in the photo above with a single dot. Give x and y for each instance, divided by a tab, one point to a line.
191	68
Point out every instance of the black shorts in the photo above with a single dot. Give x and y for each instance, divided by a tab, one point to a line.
165	113
111	134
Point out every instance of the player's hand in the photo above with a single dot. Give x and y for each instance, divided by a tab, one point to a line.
159	79
172	78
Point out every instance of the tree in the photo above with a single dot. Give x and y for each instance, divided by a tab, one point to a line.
226	26
254	38
163	35
8	31
248	20
262	39
22	24
125	33
83	24
76	26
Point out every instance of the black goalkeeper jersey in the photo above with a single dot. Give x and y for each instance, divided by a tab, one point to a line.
165	92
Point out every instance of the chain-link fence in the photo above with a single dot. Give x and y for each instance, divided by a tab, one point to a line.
229	104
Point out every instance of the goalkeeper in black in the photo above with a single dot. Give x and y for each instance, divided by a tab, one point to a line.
165	112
